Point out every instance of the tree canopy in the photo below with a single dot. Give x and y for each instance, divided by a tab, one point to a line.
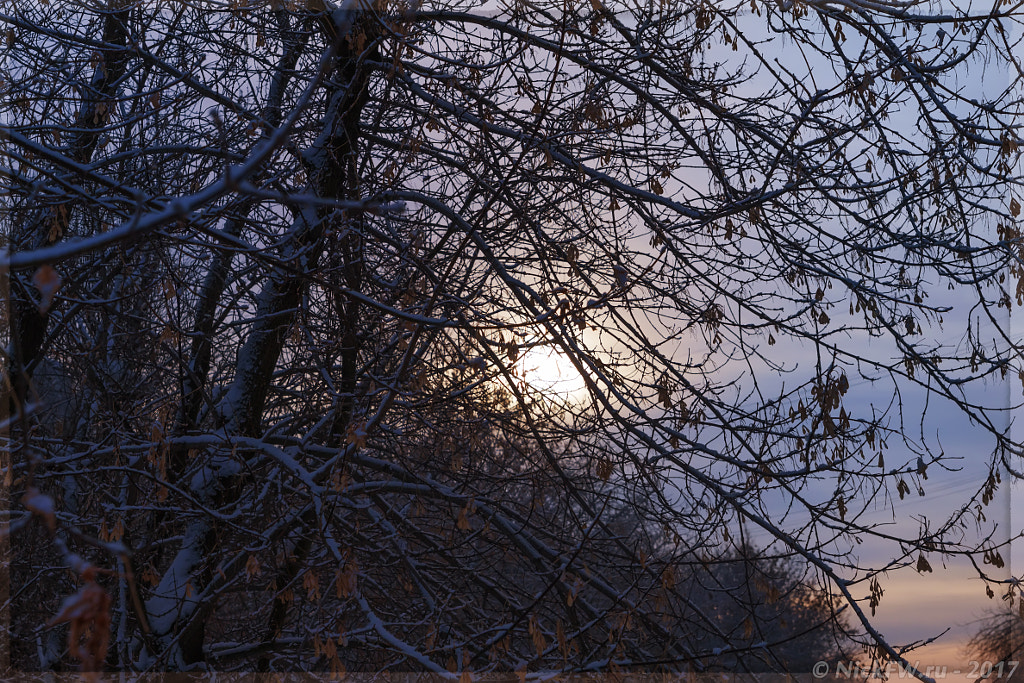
279	274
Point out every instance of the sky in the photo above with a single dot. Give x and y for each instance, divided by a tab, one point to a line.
915	606
919	606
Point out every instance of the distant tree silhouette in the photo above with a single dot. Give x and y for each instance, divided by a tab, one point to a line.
998	646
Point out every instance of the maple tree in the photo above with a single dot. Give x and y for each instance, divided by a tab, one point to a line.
275	270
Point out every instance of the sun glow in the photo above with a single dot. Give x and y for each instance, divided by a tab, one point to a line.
550	372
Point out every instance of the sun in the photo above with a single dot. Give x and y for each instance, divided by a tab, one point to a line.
546	370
